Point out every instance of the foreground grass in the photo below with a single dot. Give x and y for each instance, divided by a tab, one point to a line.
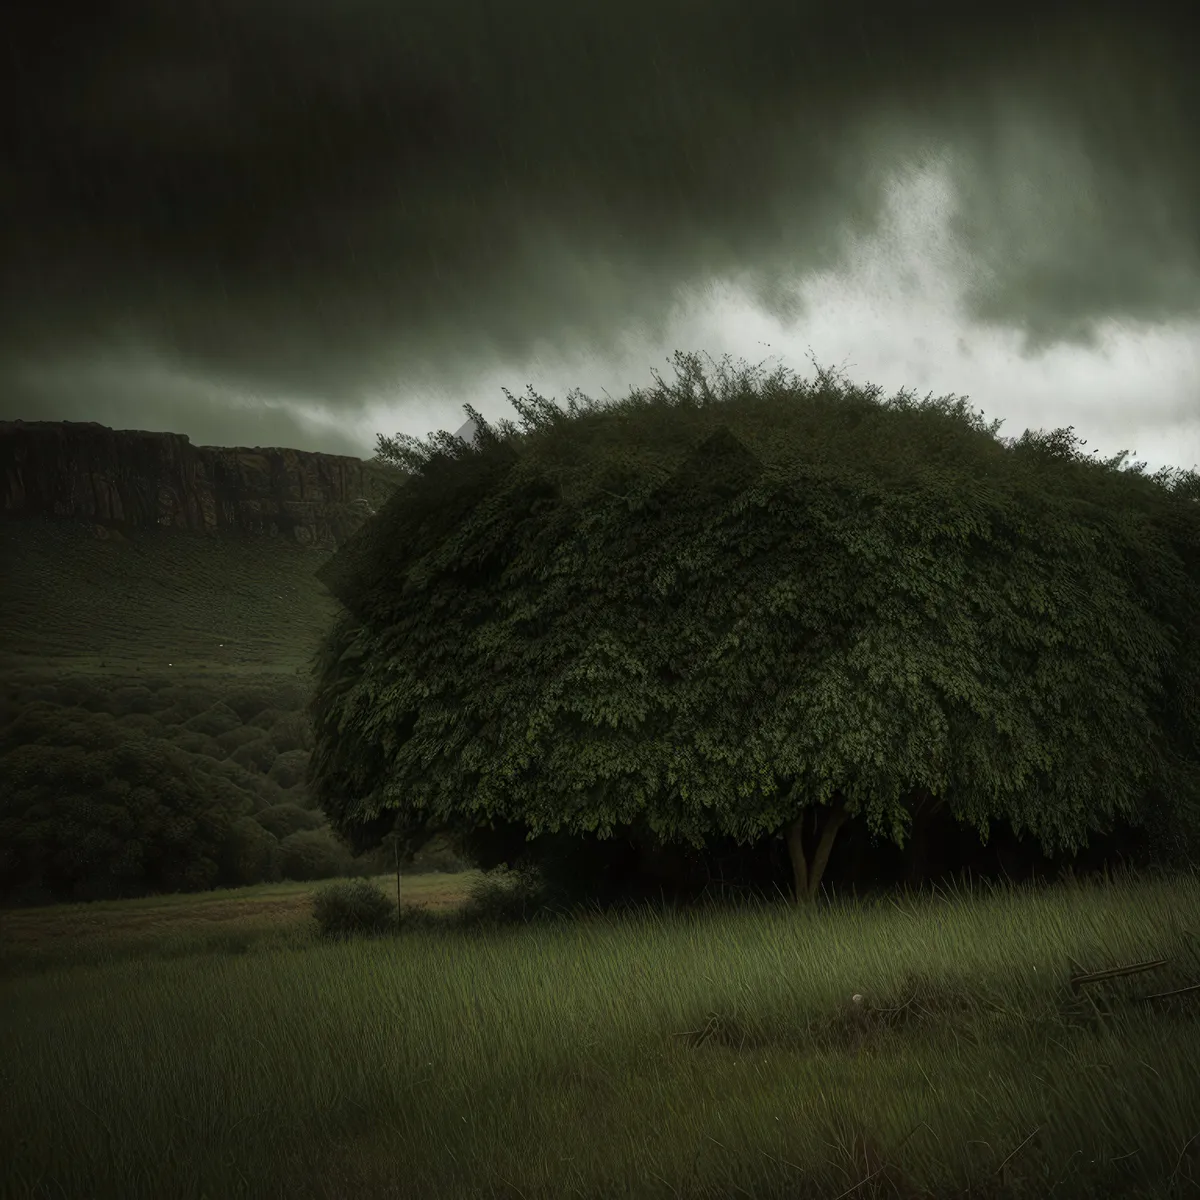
706	1055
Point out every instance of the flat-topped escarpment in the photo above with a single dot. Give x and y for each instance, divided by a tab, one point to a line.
122	478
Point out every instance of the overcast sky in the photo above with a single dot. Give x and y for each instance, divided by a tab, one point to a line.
281	222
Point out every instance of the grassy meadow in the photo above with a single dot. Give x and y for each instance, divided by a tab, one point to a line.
150	600
700	1054
226	919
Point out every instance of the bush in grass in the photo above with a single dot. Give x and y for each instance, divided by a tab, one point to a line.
900	532
353	906
504	896
313	854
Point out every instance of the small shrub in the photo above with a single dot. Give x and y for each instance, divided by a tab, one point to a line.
363	867
313	854
297	794
353	906
218	719
438	855
82	693
265	719
252	854
141	723
190	697
172	716
504	896
258	755
293	731
253	699
196	743
289	768
236	738
285	819
133	699
257	790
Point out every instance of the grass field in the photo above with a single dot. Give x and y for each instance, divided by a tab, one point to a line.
33	939
704	1054
154	600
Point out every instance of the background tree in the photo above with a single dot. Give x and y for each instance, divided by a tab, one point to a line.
763	609
109	790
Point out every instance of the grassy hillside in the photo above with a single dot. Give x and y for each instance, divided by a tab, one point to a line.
151	600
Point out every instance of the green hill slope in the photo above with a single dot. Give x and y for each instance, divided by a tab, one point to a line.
152	600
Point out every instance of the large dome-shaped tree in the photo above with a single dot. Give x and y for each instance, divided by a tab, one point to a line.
764	608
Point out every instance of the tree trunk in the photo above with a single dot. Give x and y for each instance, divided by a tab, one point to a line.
924	808
807	879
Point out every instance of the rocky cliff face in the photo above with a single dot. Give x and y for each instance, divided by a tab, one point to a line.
121	478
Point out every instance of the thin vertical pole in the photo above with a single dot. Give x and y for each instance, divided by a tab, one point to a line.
396	845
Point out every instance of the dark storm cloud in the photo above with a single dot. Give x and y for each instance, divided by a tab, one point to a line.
309	200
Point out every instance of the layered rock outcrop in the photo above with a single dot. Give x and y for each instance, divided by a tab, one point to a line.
122	478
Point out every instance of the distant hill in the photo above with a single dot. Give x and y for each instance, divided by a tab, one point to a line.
162	598
123	551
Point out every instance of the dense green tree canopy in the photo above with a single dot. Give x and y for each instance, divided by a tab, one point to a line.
712	610
115	788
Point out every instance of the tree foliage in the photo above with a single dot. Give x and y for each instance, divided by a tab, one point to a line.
112	814
97	803
712	611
